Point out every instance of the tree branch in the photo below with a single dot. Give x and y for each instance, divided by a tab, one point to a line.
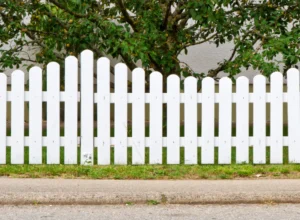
165	23
126	15
61	6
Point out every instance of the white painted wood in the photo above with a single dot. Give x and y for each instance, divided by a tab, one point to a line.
71	110
121	78
3	117
276	154
225	120
156	100
103	110
208	122
17	117
35	115
293	115
242	120
53	113
259	119
173	120
138	116
147	141
147	97
87	107
190	120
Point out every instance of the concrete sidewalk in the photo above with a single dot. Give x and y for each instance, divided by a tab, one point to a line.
96	192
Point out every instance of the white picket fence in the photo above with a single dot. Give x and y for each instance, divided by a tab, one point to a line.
173	98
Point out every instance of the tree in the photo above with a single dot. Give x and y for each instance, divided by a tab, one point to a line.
266	33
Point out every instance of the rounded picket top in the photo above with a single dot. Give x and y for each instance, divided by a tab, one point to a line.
103	70
190	79
138	71
155	76
156	79
208	80
103	61
293	78
242	80
17	73
173	83
292	71
190	82
276	76
121	67
3	77
242	83
173	78
259	78
225	84
17	77
53	65
35	71
87	53
225	80
71	59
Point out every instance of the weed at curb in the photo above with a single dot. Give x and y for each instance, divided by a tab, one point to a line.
152	202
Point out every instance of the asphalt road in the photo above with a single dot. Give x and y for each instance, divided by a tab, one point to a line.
155	212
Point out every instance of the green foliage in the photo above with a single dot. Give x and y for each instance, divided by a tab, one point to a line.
265	33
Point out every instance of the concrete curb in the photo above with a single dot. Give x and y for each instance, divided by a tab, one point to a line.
100	192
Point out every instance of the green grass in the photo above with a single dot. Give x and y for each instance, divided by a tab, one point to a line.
164	171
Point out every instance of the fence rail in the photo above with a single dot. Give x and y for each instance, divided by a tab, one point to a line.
173	140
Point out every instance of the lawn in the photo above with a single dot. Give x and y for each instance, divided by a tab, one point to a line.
233	171
164	171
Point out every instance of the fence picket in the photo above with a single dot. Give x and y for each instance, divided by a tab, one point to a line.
138	116
242	120
208	122
190	120
103	110
259	119
173	120
17	117
276	155
156	100
71	109
87	107
53	113
3	114
293	115
121	77
35	115
139	100
225	121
